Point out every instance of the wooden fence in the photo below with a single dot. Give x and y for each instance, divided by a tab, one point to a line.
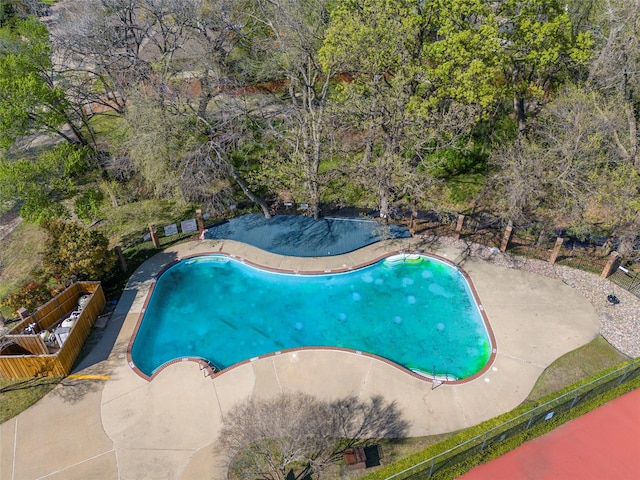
25	353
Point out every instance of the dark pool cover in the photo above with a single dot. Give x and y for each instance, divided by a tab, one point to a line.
301	236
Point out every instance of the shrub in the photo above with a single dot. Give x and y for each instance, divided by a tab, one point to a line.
72	250
87	206
38	208
31	295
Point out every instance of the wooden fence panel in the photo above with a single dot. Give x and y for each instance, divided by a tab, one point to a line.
32	343
58	307
26	366
59	363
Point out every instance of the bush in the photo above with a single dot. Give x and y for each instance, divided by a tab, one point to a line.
67	159
87	206
31	295
38	209
72	250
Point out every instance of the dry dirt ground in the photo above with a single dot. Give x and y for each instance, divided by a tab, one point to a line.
8	222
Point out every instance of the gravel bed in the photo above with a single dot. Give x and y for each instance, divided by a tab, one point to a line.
619	324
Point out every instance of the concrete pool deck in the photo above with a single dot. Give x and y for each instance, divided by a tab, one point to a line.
107	422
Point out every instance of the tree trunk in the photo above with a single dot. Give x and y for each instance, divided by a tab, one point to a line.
248	193
633	136
384	203
521	114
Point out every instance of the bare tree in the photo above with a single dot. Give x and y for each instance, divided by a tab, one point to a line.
615	69
295	435
569	170
181	160
106	47
283	40
205	173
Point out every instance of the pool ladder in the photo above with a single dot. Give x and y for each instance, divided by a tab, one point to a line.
208	368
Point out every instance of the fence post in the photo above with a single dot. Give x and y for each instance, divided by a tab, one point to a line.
575	399
22	313
484	442
624	376
612	265
533	413
154	236
506	237
123	262
556	250
459	226
199	220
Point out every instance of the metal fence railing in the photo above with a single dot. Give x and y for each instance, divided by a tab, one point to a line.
527	241
626	279
523	422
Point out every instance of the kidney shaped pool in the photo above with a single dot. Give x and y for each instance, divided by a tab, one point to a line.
413	310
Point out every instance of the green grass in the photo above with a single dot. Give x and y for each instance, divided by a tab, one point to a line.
16	395
20	253
128	223
462	190
109	128
576	365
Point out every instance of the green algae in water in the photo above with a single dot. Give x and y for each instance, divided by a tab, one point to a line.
412	310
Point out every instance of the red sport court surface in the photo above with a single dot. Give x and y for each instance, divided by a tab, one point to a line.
602	444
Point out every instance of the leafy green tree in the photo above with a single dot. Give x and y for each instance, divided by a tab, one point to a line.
39	185
87	205
485	52
30	101
380	44
12	10
538	45
31	295
402	102
72	250
30	184
6	13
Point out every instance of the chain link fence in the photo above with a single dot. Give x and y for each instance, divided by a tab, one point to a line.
522	423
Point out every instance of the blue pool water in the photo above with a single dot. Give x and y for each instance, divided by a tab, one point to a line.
413	310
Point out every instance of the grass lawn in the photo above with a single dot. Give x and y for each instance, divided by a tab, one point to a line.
16	395
19	255
580	363
576	365
128	223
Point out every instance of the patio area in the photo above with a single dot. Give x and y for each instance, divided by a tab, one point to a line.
168	428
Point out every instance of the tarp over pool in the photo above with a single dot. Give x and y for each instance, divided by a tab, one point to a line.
302	236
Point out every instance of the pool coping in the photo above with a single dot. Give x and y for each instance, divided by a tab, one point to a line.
171	428
212	372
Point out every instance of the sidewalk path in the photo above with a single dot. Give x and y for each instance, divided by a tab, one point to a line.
129	428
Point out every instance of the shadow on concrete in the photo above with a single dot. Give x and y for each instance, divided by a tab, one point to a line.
73	389
100	342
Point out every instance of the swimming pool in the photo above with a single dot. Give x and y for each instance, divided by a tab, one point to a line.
413	310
